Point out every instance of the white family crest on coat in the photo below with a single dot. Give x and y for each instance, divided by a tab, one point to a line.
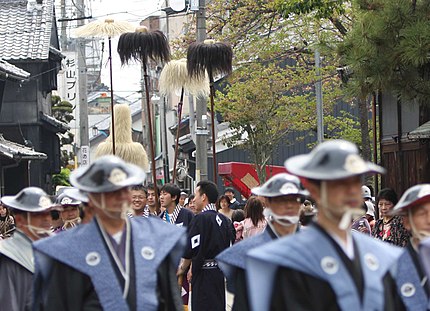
218	220
195	241
329	265
371	261
407	289
147	253
93	258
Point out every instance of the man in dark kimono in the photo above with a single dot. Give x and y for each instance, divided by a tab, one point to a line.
209	234
33	221
176	214
411	279
283	195
326	266
113	262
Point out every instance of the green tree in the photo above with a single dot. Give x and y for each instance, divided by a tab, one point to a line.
387	48
61	179
342	16
265	101
265	98
63	111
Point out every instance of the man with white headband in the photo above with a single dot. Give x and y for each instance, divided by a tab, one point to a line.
412	281
113	262
30	208
326	267
283	196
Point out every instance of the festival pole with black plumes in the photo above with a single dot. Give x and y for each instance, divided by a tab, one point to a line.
175	77
144	45
106	28
215	58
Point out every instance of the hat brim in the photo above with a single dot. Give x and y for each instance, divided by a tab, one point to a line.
296	166
402	209
76	194
11	202
261	191
135	176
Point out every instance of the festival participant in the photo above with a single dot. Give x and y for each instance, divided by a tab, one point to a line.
412	282
113	262
178	215
33	222
69	213
153	206
326	267
209	234
7	222
139	196
174	213
282	195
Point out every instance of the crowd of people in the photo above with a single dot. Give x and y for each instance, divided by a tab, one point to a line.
314	238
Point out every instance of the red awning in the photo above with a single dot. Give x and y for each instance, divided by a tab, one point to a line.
243	176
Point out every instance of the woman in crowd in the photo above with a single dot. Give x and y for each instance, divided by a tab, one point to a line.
223	206
389	228
7	223
254	222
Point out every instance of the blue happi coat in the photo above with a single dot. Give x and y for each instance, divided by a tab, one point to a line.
311	252
83	248
409	283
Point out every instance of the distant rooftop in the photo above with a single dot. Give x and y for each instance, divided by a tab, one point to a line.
12	72
25	29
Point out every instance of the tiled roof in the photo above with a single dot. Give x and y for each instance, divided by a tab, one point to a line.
61	126
16	151
12	72
421	132
25	29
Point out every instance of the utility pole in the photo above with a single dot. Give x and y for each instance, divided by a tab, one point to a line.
201	108
318	93
63	26
82	94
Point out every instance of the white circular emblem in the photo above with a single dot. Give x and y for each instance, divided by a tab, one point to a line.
371	262
355	164
117	176
288	188
44	202
407	290
329	265
147	253
93	258
66	201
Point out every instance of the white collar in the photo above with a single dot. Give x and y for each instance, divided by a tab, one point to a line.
348	247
